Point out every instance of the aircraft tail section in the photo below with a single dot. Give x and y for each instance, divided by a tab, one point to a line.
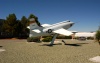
33	24
34	28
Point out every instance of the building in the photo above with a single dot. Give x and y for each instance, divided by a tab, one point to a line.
83	34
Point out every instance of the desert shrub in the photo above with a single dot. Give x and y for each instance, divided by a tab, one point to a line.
47	36
47	39
64	37
76	37
97	36
44	36
90	38
60	37
68	37
33	39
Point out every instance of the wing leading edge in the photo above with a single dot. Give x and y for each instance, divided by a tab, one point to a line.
63	32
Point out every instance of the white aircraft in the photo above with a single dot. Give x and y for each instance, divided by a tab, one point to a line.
47	29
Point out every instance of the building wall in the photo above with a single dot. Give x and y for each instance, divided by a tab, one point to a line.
84	34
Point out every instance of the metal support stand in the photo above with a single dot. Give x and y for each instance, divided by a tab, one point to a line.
64	42
53	39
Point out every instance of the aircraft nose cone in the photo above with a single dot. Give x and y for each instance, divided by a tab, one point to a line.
71	24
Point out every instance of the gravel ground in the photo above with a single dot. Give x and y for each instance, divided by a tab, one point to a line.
20	51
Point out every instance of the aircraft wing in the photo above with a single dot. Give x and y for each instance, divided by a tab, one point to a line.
45	25
63	32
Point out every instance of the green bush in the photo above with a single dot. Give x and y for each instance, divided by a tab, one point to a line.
60	37
64	37
77	38
68	37
33	39
97	36
44	36
47	39
90	38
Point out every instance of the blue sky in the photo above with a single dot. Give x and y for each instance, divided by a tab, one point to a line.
85	13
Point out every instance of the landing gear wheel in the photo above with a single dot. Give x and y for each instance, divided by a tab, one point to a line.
49	31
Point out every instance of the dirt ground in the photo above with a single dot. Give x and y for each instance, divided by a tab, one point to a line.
20	51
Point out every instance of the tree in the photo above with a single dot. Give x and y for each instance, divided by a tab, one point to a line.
1	23
24	23
97	36
36	19
9	25
18	28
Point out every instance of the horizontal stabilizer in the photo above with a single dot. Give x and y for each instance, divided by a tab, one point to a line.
28	27
36	30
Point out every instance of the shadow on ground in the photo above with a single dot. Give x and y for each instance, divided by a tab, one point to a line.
73	44
1	46
51	45
82	43
76	44
65	43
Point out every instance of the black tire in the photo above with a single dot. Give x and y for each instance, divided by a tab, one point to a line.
49	31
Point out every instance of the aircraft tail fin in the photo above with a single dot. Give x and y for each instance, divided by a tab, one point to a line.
34	28
33	24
